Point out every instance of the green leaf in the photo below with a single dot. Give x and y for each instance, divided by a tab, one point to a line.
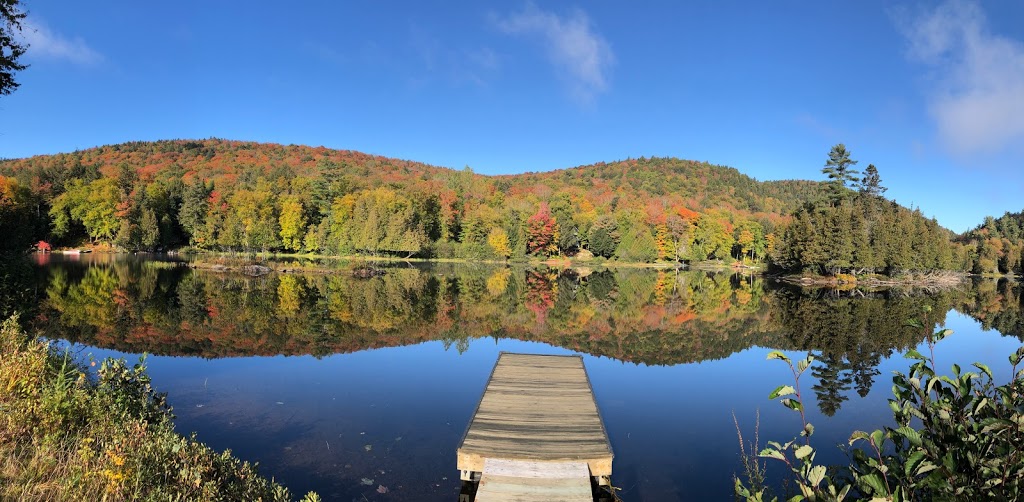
843	492
808	430
981	404
912	462
803	451
877	437
792	404
926	466
857	436
742	490
914	323
804	363
948	462
994	424
1017	356
911	435
771	453
816	475
984	369
782	390
775	354
874	483
893	405
914	354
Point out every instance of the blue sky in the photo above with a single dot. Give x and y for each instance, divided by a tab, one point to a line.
932	93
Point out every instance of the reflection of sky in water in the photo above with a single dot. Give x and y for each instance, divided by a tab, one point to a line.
396	415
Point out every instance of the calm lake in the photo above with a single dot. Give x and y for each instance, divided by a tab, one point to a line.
345	385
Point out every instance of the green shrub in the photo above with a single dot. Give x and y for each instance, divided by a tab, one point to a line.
64	436
968	443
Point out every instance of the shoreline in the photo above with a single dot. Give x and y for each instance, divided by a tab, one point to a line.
303	263
265	263
940	279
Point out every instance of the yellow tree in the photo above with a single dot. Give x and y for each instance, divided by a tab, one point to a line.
289	295
94	205
663	240
498	240
254	210
292	222
342	223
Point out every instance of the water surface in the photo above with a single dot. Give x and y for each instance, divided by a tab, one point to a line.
345	385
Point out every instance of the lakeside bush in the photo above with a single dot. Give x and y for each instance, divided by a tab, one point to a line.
65	435
958	437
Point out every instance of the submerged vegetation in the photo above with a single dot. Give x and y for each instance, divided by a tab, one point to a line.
69	434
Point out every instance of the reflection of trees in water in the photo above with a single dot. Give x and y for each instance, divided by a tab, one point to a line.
834	380
643	316
849	335
997	304
634	315
21	288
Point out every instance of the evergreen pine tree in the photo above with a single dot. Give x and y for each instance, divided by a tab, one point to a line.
870	184
833	383
839	169
192	214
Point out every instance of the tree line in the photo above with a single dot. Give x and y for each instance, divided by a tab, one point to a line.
854	230
250	197
233	196
998	244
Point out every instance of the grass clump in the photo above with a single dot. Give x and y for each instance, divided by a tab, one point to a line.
67	436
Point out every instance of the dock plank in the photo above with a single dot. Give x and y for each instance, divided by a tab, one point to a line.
520	481
537	408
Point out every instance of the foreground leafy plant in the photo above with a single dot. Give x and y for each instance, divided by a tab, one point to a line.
65	436
968	443
798	455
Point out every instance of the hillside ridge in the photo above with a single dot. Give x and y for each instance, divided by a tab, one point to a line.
235	195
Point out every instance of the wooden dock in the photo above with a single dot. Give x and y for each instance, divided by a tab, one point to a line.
537	433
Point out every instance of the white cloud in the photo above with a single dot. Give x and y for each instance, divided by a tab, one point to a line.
48	44
581	54
978	77
454	66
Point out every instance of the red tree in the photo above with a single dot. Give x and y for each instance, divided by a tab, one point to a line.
541	232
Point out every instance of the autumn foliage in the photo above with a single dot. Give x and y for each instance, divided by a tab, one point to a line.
242	196
541	232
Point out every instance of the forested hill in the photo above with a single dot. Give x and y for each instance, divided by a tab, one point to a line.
999	244
697	185
221	194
